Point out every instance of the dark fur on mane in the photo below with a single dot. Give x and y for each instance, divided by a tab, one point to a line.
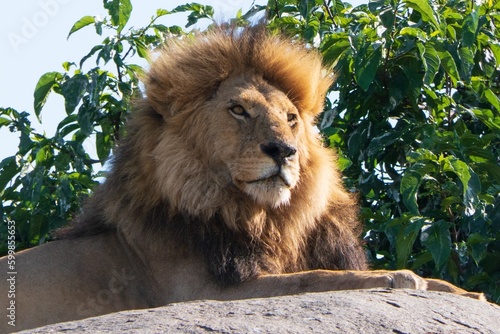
232	257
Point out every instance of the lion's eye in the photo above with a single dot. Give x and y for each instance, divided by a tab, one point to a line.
292	119
239	112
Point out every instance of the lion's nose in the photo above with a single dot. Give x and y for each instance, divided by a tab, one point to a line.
279	151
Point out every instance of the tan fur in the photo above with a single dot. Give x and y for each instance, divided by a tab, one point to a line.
203	202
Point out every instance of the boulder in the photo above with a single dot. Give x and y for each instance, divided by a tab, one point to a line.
359	311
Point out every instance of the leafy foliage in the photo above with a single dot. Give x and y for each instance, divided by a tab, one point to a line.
417	127
414	116
44	184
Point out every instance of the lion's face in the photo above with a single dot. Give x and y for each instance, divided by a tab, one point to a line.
238	110
255	131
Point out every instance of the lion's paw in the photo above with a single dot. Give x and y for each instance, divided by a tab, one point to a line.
406	279
399	279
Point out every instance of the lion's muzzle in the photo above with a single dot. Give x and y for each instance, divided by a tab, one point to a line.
270	177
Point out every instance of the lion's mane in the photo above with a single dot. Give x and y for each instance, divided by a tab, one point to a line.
159	194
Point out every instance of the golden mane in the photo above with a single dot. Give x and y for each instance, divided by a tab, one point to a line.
159	193
191	69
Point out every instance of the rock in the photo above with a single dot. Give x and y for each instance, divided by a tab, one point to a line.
360	311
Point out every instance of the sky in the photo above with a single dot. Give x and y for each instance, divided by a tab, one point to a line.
33	41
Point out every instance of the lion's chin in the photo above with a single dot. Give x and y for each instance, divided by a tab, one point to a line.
271	192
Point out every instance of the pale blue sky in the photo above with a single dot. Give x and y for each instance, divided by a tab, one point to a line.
33	41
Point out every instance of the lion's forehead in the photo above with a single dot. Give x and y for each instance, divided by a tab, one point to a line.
258	95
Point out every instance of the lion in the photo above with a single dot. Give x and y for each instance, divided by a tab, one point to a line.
221	189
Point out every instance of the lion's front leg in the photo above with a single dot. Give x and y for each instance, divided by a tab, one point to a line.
324	280
329	280
352	280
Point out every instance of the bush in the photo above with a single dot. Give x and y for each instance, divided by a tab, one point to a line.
414	115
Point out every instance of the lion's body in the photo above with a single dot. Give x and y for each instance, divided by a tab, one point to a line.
220	190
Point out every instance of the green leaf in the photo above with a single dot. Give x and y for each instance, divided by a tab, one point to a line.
425	10
374	5
421	154
61	127
469	29
492	98
451	31
23	126
354	143
343	161
35	227
137	70
334	48
120	11
421	259
449	65
85	121
162	12
43	154
103	145
466	55
431	61
459	168
488	118
477	154
83	22
437	240
409	190
73	90
8	169
471	198
478	245
105	53
366	67
405	240
83	179
67	65
414	32
379	143
312	28
4	121
142	49
449	201
490	169
43	88
387	17
125	88
197	10
488	61
91	53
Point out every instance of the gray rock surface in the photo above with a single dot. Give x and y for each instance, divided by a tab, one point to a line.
367	311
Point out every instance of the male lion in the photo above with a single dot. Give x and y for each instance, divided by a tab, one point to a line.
221	189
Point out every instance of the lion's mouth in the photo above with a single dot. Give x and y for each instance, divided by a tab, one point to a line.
281	175
272	188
